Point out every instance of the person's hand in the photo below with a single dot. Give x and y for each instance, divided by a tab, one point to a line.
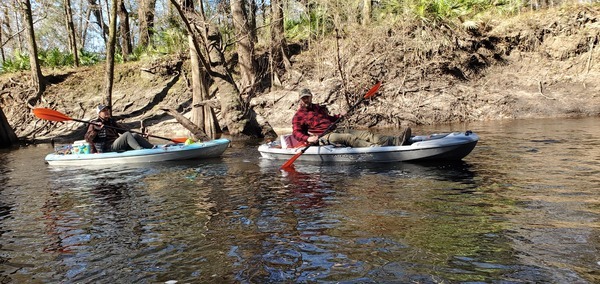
99	125
312	139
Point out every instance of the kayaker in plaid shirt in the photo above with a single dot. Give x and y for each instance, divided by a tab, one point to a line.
311	120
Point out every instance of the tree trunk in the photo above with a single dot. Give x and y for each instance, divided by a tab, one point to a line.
279	52
366	12
203	116
18	21
110	55
7	134
88	14
238	119
1	46
125	30
37	79
252	21
245	48
71	32
97	11
146	16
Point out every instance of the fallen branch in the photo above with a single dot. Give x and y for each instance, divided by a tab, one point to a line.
196	131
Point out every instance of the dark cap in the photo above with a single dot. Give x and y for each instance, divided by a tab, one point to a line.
305	93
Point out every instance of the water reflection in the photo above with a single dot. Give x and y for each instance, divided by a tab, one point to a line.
522	208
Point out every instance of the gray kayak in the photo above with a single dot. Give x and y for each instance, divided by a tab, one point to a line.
198	150
442	146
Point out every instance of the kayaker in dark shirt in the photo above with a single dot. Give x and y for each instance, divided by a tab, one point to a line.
105	135
311	120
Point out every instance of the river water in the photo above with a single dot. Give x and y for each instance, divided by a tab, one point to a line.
523	207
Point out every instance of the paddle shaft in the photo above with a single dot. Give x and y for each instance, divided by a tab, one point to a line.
119	128
369	94
334	124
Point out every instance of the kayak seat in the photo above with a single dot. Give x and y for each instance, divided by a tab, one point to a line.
288	141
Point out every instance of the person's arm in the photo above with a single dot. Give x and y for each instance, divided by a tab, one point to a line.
299	131
91	132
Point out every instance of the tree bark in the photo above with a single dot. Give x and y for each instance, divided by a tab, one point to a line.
279	52
97	11
245	48
1	40
204	115
86	21
110	55
239	119
146	19
7	134
252	21
366	12
37	79
71	32
125	30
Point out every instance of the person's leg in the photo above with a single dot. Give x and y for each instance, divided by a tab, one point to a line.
368	136
142	141
126	142
347	139
403	139
381	140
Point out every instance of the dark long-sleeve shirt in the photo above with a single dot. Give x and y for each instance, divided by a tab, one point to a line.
102	138
313	119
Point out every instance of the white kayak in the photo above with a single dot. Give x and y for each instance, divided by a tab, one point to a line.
181	151
442	146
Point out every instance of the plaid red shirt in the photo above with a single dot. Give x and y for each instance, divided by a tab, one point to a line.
313	119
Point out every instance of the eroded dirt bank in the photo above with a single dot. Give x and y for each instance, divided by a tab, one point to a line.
543	64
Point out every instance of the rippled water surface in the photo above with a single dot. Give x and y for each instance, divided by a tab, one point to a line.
522	208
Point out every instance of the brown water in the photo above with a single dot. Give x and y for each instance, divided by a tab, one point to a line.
522	208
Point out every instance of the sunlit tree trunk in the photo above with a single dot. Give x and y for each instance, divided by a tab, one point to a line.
18	26
110	54
84	29
71	32
7	134
279	52
124	29
146	19
37	79
1	46
366	12
245	47
202	114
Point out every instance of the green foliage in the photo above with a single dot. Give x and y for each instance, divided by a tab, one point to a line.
88	58
448	10
55	58
19	62
171	40
316	23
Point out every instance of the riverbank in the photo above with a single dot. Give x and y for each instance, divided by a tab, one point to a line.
535	65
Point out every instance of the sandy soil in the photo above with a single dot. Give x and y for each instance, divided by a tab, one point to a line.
538	65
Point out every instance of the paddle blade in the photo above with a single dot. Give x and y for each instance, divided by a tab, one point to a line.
179	140
372	91
291	161
49	114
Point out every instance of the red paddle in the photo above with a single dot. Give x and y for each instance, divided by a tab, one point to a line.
369	94
52	115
